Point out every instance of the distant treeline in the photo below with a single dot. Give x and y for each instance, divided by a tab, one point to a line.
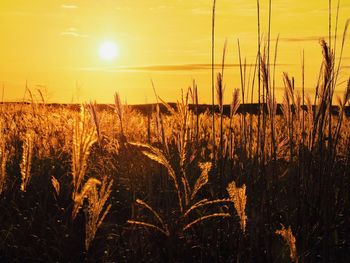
251	108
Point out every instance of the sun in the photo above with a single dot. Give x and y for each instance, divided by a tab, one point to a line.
108	50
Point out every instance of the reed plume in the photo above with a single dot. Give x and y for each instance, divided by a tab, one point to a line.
79	197
26	162
239	198
203	178
289	238
84	136
92	107
96	211
56	184
118	106
235	102
157	156
220	92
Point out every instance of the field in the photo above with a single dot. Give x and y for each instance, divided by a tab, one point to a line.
184	182
117	184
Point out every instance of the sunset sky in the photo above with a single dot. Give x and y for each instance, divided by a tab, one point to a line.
55	45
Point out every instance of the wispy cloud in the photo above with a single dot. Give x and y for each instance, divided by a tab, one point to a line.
160	8
159	68
32	14
69	6
245	11
72	32
304	38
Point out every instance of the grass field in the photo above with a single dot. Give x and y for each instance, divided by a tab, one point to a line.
121	185
182	182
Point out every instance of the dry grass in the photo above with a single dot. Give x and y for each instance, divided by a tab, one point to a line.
26	163
3	161
202	179
96	210
167	171
84	136
289	238
239	198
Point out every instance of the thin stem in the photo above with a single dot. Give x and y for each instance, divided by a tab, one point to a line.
212	75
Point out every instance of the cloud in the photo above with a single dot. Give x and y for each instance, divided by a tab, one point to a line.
304	39
160	8
244	11
161	68
33	14
72	32
69	6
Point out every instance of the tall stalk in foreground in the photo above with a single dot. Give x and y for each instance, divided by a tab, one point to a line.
244	138
220	99
259	61
220	95
96	212
194	95
186	196
212	75
84	136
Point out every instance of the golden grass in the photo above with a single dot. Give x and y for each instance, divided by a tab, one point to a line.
157	156
289	238
239	198
84	136
26	162
202	179
306	149
3	161
56	184
214	215
96	211
79	197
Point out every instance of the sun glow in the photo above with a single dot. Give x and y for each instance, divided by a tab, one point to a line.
108	50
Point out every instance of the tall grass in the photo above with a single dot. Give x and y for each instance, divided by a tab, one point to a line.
84	136
3	160
197	189
96	212
26	163
289	238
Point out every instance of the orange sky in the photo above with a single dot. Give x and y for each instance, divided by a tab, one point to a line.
53	45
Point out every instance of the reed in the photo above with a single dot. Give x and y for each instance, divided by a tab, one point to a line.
26	163
202	179
118	106
3	160
289	238
239	198
56	185
157	156
96	211
212	76
84	137
293	167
